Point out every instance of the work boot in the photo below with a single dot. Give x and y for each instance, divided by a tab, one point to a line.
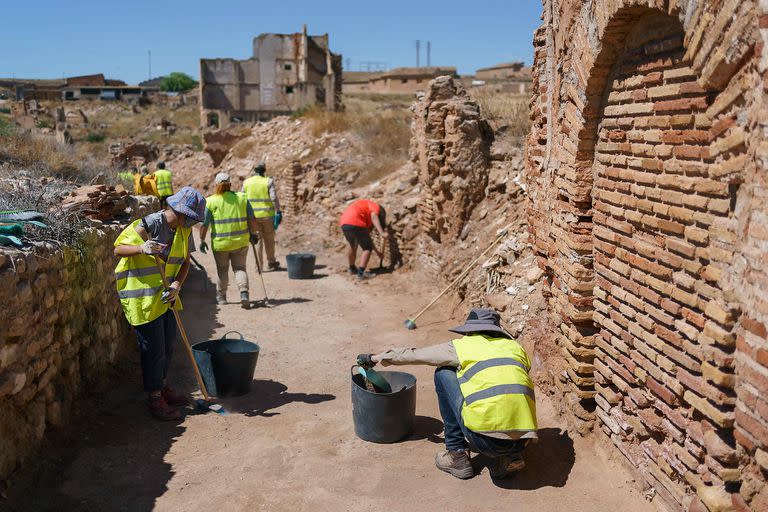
244	300
352	269
173	397
274	265
160	409
502	467
456	463
221	298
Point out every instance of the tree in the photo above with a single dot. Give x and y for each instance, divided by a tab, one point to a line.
177	82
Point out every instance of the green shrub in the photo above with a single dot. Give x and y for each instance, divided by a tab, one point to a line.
95	137
5	110
177	82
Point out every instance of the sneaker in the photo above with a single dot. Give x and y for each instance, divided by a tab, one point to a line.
221	299
244	300
160	409
352	269
274	265
502	467
456	463
173	397
364	274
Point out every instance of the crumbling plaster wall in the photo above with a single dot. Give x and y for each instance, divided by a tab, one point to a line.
61	329
646	168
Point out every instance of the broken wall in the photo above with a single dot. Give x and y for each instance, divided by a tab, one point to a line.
647	184
61	331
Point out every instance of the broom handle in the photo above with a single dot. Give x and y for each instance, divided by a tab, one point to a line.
461	276
183	334
258	267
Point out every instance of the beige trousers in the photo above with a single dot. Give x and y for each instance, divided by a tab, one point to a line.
266	230
237	258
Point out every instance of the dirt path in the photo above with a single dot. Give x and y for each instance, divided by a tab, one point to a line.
289	445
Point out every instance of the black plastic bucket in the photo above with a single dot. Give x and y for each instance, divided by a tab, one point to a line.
226	364
384	417
300	265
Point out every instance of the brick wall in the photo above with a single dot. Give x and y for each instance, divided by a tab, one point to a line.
647	211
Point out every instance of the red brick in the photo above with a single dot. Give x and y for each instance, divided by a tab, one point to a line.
753	326
756	428
661	390
699	102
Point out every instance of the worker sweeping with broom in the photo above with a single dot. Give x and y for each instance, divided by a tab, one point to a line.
484	393
147	303
233	224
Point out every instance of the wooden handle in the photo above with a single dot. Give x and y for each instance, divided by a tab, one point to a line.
463	273
183	334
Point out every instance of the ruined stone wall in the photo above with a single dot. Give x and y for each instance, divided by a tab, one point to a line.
645	167
451	145
61	329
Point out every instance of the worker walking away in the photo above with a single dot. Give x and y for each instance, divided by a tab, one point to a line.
164	180
261	194
484	393
146	303
233	227
356	222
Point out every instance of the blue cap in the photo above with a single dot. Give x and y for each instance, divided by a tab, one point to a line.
190	202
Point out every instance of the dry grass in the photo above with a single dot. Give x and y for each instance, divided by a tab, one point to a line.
504	108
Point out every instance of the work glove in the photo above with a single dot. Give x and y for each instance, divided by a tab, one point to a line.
171	293
150	247
364	360
254	238
203	247
278	219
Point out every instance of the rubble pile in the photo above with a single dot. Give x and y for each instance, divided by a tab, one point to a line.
98	202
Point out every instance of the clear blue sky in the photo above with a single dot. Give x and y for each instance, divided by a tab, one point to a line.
54	38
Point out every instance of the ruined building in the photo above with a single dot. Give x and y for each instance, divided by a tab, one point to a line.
647	168
286	73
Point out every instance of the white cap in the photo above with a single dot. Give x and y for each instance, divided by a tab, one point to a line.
222	177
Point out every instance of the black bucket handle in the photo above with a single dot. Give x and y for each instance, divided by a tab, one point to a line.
242	338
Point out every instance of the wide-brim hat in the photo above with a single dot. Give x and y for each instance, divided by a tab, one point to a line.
482	320
221	177
189	202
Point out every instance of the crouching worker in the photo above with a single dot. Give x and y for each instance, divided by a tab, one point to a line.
146	303
485	395
233	230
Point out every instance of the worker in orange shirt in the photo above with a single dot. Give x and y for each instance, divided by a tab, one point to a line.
357	221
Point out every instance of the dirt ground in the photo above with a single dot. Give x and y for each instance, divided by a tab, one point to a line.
289	445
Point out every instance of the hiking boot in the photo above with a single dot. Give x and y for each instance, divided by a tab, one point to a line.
244	300
352	269
160	409
502	467
174	398
456	463
274	265
221	298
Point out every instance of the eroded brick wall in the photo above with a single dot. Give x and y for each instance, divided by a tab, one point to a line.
648	211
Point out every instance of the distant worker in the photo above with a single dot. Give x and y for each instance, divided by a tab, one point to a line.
484	393
146	303
127	177
261	194
164	182
145	183
233	229
356	222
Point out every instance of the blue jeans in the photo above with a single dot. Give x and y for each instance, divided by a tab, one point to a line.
457	436
156	340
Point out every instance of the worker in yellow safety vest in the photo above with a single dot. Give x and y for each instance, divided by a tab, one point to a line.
233	228
261	194
484	392
164	180
146	302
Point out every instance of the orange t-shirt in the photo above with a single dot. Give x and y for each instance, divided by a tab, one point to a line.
359	213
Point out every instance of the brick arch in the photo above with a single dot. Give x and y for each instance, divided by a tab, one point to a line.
650	190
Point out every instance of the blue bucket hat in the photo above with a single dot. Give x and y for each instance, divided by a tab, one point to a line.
190	202
482	320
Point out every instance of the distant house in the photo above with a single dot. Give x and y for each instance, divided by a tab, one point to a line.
286	73
397	80
508	76
358	81
73	88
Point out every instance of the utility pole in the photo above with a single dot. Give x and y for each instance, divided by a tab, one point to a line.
149	64
429	51
418	52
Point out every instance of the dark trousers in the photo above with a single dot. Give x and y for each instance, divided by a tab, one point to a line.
156	340
457	436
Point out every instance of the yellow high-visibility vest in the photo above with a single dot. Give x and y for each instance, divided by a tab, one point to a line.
164	182
256	189
139	284
229	230
498	392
